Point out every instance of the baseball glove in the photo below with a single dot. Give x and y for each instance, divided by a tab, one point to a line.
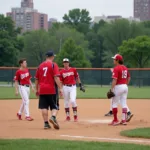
110	94
81	87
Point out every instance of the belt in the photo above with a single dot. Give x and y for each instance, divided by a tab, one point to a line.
25	85
70	85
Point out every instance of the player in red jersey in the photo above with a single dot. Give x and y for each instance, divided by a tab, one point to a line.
68	77
121	79
23	83
110	113
46	76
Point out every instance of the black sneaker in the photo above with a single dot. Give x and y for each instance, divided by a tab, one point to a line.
109	113
47	126
129	116
54	122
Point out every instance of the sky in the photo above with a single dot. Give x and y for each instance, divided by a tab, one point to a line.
57	8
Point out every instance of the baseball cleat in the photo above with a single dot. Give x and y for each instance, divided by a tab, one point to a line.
109	113
123	122
75	118
129	117
68	118
29	118
19	116
114	123
47	126
54	122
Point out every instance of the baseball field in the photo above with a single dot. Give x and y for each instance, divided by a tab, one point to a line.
91	132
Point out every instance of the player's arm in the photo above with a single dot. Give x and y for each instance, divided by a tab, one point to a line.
37	82
61	79
16	87
79	81
114	78
31	84
16	79
57	77
77	77
57	80
114	81
128	78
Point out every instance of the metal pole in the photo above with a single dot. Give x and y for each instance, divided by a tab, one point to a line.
139	79
12	72
100	60
60	44
101	78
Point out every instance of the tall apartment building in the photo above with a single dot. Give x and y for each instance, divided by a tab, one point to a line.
142	9
28	18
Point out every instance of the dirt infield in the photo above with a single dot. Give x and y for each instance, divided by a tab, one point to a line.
92	125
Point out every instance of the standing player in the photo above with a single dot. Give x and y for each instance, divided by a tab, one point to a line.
121	78
110	113
46	76
23	82
68	77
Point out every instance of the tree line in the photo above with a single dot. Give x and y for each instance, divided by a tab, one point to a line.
85	43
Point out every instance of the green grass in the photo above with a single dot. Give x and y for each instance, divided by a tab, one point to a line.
91	92
65	145
137	133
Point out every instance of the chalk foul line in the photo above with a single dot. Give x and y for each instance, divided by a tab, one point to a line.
106	139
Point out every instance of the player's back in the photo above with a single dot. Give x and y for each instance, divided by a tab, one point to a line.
123	74
46	77
46	72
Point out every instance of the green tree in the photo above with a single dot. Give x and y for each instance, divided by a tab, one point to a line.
116	32
96	44
61	34
146	25
10	43
74	53
78	19
136	51
37	43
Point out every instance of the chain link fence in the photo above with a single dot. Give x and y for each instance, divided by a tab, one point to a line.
89	76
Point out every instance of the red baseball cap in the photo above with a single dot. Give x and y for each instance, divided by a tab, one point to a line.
118	57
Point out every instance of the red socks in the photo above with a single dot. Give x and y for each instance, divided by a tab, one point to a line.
124	114
115	111
67	111
74	111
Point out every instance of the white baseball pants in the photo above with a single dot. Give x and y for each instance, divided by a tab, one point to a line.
24	93
121	92
69	96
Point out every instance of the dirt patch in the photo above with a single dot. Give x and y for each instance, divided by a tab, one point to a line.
92	125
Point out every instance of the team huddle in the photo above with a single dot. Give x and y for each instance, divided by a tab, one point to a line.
50	83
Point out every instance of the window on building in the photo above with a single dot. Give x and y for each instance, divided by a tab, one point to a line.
17	17
21	17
